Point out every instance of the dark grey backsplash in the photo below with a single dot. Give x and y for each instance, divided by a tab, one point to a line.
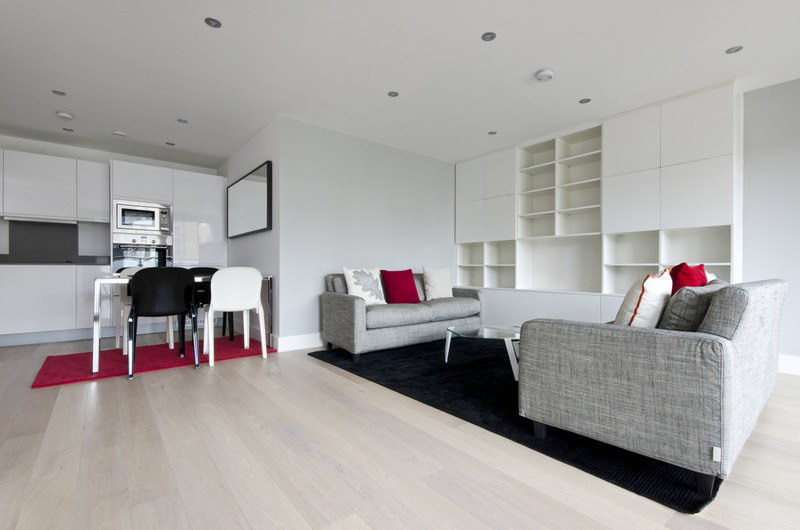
34	243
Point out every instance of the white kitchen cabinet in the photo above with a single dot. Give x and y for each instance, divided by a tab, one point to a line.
632	202
93	191
698	126
140	182
1	181
632	142
697	193
84	300
199	219
39	186
469	222
37	298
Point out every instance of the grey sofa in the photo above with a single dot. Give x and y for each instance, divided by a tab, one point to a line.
350	324
690	398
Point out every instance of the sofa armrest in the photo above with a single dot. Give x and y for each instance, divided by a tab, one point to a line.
344	320
653	392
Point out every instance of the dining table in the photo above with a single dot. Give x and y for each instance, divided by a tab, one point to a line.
115	279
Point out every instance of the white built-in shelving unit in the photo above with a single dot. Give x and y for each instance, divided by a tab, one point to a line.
600	207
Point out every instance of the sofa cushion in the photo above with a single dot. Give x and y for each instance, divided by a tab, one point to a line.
365	283
684	275
645	301
391	315
687	308
725	312
399	287
449	308
437	282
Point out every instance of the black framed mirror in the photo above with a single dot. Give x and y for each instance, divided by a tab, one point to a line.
250	202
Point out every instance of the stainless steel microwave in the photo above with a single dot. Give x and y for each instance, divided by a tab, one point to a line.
140	217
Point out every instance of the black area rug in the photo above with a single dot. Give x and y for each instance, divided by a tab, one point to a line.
477	385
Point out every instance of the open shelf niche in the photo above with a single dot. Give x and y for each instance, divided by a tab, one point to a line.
487	264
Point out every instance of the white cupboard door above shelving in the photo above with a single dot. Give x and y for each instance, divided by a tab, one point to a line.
499	218
632	202
469	180
632	142
698	126
697	193
40	186
93	191
500	173
469	222
141	182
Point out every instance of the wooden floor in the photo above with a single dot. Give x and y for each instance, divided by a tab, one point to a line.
292	442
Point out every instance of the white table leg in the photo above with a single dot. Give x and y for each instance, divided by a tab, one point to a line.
96	328
447	345
512	356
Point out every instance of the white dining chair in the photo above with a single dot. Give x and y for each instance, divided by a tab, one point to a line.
124	307
235	289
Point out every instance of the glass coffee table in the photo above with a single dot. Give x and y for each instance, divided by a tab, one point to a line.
509	334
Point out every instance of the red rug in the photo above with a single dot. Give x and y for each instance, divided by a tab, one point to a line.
77	367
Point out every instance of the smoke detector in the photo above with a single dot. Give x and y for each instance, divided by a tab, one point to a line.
544	75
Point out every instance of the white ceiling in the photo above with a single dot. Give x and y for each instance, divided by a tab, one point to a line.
139	66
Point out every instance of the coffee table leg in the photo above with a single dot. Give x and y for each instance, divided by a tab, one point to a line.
447	345
512	356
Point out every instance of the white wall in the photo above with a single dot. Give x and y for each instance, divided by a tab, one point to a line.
341	201
771	196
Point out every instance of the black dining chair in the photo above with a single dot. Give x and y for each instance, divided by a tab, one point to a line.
160	292
202	296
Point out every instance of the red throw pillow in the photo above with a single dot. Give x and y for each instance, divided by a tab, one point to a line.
684	275
399	287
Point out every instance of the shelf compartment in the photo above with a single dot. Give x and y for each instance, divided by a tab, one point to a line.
579	221
579	172
501	253
579	143
620	278
579	194
561	264
538	202
470	254
537	226
470	276
710	244
632	248
537	154
542	177
501	276
722	271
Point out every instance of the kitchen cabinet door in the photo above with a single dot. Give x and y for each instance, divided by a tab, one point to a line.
39	186
37	298
141	182
94	200
199	219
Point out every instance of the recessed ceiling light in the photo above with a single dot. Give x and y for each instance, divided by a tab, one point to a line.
213	22
584	101
64	115
59	92
67	129
492	133
120	134
734	49
489	36
181	120
170	143
544	75
393	94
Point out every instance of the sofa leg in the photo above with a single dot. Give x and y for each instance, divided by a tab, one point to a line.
539	430
356	357
328	346
705	485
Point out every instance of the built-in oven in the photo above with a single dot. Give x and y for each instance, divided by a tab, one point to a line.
141	217
140	250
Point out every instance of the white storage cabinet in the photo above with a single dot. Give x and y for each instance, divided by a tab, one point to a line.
141	182
39	186
199	219
93	192
37	298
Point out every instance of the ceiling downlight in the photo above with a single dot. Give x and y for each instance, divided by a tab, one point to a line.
213	23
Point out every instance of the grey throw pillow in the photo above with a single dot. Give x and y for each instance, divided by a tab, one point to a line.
687	308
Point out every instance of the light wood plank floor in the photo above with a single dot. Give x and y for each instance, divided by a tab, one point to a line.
292	442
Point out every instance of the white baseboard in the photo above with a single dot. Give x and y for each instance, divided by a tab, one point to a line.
789	364
299	342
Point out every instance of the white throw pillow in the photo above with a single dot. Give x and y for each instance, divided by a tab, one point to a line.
366	284
437	282
645	301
